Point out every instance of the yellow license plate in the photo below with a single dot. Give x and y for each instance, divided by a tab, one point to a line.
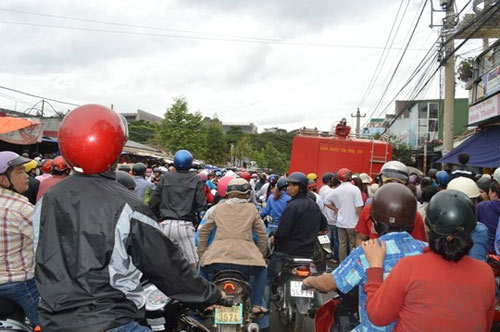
229	315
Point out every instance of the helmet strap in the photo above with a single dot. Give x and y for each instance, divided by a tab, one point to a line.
11	186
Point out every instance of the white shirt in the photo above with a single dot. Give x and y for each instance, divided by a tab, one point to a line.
346	197
331	216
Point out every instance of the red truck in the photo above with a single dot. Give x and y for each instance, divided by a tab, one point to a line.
313	152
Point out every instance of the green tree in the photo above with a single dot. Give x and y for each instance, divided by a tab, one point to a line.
401	152
234	134
465	69
215	142
142	131
242	151
182	130
270	158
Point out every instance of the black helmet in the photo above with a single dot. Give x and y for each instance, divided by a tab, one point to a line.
124	168
238	186
327	177
298	178
484	184
426	181
432	173
394	204
125	179
281	184
449	212
139	169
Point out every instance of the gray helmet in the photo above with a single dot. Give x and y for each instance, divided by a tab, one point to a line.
395	170
125	179
238	186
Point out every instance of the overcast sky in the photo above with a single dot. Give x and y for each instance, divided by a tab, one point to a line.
277	63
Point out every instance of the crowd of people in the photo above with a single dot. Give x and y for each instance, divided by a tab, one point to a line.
80	231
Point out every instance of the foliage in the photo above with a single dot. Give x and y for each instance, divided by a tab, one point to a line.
234	134
141	131
401	151
270	158
465	69
214	141
242	150
182	130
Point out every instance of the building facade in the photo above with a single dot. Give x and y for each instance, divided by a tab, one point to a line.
247	128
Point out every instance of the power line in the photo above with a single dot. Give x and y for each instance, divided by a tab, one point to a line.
37	96
230	38
400	60
375	75
235	40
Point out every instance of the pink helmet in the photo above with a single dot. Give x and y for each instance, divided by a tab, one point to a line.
222	185
203	176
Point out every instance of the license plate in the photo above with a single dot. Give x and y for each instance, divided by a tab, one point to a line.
229	315
297	291
323	239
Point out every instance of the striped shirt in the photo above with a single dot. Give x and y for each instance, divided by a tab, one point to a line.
16	237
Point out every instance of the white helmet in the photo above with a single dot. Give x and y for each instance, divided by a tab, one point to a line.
395	170
465	185
496	175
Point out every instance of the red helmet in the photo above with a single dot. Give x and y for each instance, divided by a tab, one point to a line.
222	185
245	175
344	174
59	164
91	138
47	166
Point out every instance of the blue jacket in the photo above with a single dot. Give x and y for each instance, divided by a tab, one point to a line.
480	237
275	208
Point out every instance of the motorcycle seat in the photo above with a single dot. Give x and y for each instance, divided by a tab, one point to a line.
231	274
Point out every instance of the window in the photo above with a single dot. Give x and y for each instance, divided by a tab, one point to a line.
422	111
433	111
433	125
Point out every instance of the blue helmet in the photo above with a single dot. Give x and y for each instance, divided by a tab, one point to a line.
183	160
442	178
298	178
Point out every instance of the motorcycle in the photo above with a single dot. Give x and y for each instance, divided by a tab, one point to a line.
237	317
12	317
169	315
338	314
296	305
322	251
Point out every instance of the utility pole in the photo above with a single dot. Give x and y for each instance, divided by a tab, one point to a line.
358	117
43	104
449	79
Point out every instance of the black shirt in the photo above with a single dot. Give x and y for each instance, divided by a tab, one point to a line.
299	226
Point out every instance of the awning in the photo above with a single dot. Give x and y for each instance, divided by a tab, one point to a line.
20	131
483	149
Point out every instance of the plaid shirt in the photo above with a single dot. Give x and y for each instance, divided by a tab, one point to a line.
352	271
16	237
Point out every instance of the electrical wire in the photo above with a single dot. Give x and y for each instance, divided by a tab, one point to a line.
37	96
234	40
400	60
376	72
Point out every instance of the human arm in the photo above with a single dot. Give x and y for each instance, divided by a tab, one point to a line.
260	230
362	226
480	238
286	224
170	271
204	234
331	206
267	209
329	201
154	203
322	283
385	299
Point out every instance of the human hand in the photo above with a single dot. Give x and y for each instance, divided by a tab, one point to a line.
374	252
271	240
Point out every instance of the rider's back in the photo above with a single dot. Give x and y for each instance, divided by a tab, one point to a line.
299	226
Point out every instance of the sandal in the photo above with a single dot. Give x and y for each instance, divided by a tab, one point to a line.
258	310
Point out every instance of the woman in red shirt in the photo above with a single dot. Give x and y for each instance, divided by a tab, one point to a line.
442	289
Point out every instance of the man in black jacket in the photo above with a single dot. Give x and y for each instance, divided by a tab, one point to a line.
177	201
298	228
95	239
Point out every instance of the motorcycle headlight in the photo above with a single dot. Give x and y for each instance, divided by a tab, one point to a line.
155	299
